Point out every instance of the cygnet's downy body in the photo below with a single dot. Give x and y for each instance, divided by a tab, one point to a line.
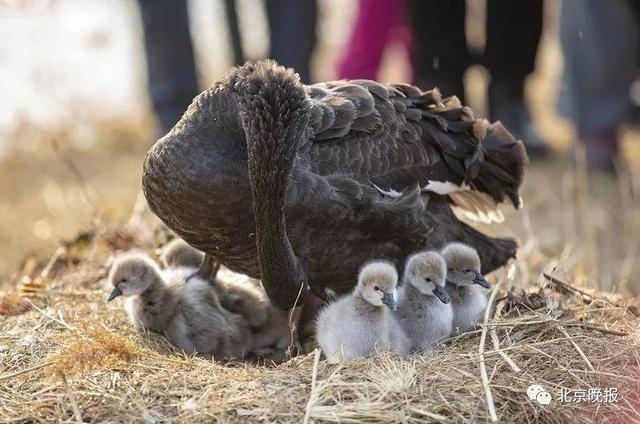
465	285
424	309
189	315
243	299
268	325
177	253
361	322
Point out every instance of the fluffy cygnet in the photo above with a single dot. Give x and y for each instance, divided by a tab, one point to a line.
177	253
189	315
243	299
361	322
424	309
465	285
269	325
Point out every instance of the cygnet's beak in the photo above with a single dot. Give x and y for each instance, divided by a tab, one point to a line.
479	279
387	299
442	294
115	293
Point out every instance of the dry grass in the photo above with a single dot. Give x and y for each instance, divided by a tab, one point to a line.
73	357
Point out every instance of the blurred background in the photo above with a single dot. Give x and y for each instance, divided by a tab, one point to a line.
86	86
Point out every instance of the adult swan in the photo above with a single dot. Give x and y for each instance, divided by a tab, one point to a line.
300	185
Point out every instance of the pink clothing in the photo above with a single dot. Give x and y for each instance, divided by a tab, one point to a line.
377	23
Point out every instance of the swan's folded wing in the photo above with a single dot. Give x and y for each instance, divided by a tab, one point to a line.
397	136
343	203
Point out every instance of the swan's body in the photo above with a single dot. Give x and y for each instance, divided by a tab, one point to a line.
268	176
359	324
188	314
465	285
424	309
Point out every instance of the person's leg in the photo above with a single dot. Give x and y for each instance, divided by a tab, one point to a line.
170	64
372	29
598	41
235	37
292	31
513	34
441	55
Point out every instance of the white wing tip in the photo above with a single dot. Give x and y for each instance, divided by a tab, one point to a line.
445	187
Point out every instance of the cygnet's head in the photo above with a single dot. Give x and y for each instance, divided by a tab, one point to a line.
377	284
463	265
132	274
177	253
427	272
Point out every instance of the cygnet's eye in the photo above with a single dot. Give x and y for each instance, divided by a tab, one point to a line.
428	279
450	269
123	280
467	270
376	288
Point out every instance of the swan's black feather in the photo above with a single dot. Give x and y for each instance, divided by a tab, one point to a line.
410	129
317	158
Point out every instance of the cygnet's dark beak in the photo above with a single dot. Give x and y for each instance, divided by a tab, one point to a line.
479	279
115	293
387	299
442	294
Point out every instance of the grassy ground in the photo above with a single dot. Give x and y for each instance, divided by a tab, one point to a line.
73	357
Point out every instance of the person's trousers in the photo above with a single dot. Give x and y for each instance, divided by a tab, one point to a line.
376	23
601	46
171	68
513	33
292	32
170	63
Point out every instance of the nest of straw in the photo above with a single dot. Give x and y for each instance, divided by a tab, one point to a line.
67	355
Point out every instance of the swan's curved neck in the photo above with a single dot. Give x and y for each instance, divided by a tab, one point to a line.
274	120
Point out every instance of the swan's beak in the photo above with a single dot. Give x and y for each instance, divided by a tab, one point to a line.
115	293
388	299
442	294
479	279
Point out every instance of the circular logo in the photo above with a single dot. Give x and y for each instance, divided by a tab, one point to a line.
533	390
544	398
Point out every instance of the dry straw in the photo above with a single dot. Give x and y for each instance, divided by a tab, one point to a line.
74	358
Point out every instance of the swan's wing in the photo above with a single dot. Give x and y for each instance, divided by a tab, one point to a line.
397	136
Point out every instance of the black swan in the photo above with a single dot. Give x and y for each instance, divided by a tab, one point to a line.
300	185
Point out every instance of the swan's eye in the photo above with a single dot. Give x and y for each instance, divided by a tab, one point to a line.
123	280
376	288
467	270
450	269
428	279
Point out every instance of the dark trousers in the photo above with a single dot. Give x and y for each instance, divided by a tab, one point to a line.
292	31
170	63
513	33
